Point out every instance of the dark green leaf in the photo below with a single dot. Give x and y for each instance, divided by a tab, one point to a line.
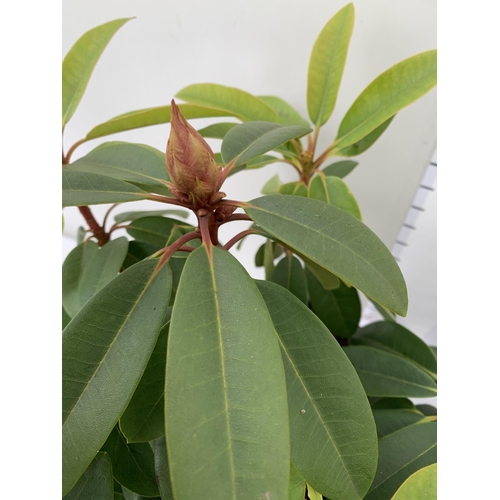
340	168
137	251
327	63
289	273
427	410
80	61
394	403
336	241
389	375
162	469
421	484
96	483
131	216
288	114
155	230
434	349
294	188
130	495
66	318
272	186
133	464
118	491
81	188
338	309
217	130
105	350
332	432
259	256
269	259
297	485
226	411
389	421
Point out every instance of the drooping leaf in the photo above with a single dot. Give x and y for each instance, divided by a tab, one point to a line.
421	484
82	188
155	230
131	216
340	168
105	350
234	101
162	469
427	410
326	65
288	114
96	483
394	338
393	90
294	188
137	251
217	130
332	432
388	375
389	421
338	309
225	409
79	63
289	273
336	241
400	455
249	140
272	186
392	403
297	484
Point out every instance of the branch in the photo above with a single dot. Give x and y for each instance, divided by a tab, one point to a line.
237	238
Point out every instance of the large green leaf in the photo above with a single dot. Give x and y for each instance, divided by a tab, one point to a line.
82	188
389	421
326	65
96	482
338	309
401	454
332	432
390	92
288	114
225	396
150	116
162	469
133	464
297	484
388	375
143	420
336	241
134	215
340	168
289	273
420	485
217	130
80	61
427	410
232	100
137	251
155	230
105	350
391	337
249	140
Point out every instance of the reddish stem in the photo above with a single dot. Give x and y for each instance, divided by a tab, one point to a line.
234	217
237	238
176	245
167	199
97	230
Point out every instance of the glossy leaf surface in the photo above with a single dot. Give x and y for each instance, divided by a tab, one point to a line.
226	410
289	273
393	90
340	168
388	375
389	421
105	350
326	65
288	114
420	485
162	469
332	432
336	241
80	61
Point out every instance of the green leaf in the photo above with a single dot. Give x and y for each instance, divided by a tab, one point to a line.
326	65
297	484
81	188
338	309
328	280
427	410
234	101
105	350
385	313
118	491
288	114
363	144
217	130
400	455
392	403
66	318
269	257
80	61
340	168
334	191
394	338
143	420
80	235
336	241
259	256
72	272
260	161
150	116
289	273
155	230
225	409
421	484
137	251
332	432
131	216
389	421
249	140
96	483
272	186
133	464
294	188
387	375
162	469
313	494
393	90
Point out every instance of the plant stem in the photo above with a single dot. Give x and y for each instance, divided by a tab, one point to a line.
107	214
237	238
97	230
166	199
176	245
71	150
234	217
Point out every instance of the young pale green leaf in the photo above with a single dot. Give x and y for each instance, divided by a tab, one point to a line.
392	403
150	116
133	464
288	114
313	494
335	241
297	484
340	168
389	421
155	230
131	216
294	188
143	419
162	469
338	309
249	140
400	455
332	432
272	186
289	273
96	482
326	65
421	484
390	92
217	130
234	101
389	375
225	397
80	61
391	337
82	188
105	350
334	191
427	410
